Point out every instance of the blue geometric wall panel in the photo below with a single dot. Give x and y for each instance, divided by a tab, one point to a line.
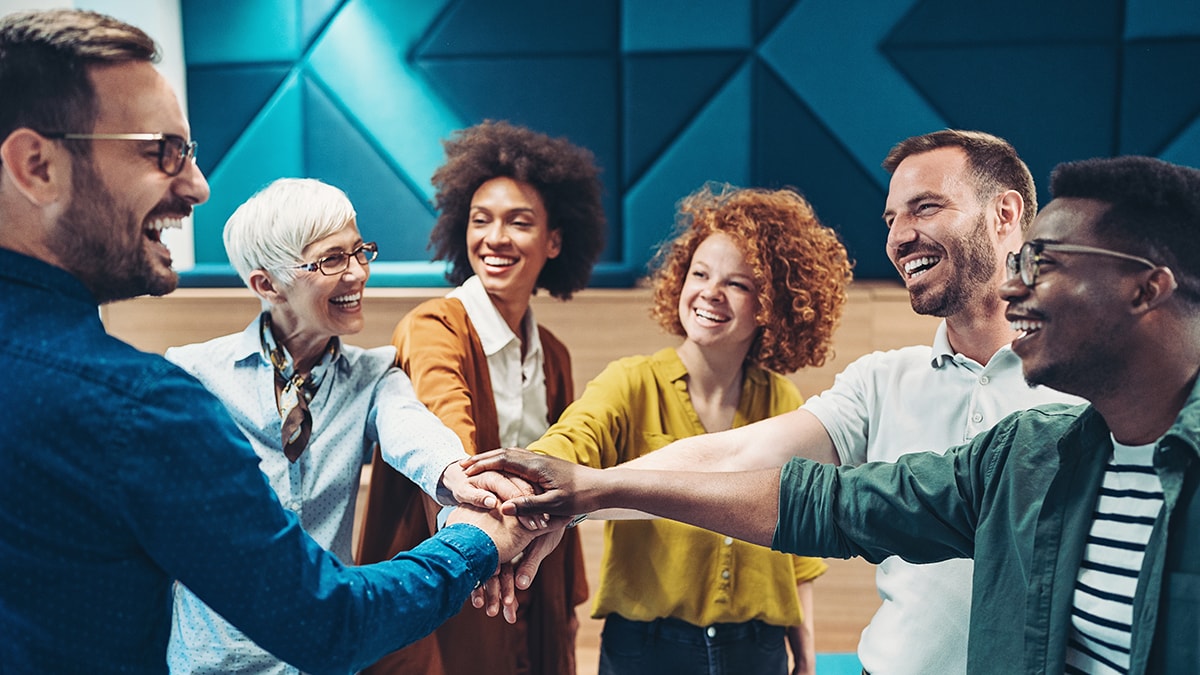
668	94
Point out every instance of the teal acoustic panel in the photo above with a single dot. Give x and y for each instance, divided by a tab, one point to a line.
224	100
361	59
972	87
793	148
716	146
655	114
1161	18
391	211
1150	118
487	28
271	147
231	31
673	25
953	22
827	52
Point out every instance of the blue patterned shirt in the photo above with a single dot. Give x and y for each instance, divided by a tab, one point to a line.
120	473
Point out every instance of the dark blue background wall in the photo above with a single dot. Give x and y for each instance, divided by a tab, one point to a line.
668	94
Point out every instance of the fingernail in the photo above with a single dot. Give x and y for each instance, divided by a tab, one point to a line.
489	502
523	581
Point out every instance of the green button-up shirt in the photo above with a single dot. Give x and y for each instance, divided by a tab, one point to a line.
1019	500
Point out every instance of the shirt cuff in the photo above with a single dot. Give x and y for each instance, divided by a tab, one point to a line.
476	547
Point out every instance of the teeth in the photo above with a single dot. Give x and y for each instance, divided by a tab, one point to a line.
709	315
1025	325
161	224
498	261
347	299
917	265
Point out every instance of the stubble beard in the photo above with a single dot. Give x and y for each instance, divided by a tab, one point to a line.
104	247
975	265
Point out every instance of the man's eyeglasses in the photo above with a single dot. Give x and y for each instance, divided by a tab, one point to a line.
173	151
336	263
1027	262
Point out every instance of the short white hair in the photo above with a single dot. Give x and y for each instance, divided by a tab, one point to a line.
270	230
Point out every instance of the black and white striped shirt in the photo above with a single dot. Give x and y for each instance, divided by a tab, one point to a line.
1130	500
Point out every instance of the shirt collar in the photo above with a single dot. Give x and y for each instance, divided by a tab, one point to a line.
667	362
494	333
943	353
249	347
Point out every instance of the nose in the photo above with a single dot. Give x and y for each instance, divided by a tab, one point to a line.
190	184
900	232
355	269
1013	289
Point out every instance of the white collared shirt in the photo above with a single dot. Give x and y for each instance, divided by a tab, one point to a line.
888	404
518	385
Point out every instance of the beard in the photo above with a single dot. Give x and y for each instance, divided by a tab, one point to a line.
103	246
975	265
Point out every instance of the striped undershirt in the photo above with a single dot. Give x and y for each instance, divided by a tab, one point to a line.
1102	612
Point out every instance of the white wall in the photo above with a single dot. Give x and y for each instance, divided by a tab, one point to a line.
161	19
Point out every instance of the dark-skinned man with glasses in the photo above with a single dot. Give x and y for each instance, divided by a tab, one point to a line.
1082	520
119	472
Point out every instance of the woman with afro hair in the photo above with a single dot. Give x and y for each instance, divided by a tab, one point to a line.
755	285
518	211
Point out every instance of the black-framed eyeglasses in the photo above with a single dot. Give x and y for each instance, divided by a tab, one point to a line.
1027	262
336	263
173	151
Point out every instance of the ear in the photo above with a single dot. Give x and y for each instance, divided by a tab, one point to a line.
555	243
1009	209
38	168
267	288
1158	286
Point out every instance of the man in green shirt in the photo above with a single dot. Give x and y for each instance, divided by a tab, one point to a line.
1082	520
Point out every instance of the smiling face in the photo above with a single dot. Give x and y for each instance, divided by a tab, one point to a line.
509	241
316	306
719	299
109	234
1072	321
941	238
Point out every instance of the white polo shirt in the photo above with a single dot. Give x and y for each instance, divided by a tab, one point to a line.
887	404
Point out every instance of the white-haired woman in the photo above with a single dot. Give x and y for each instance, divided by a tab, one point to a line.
312	407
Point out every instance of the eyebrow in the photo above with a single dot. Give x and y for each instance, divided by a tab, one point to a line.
916	199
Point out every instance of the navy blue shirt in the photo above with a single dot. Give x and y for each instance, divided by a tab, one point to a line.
120	473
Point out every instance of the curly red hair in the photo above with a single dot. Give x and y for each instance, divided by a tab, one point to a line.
801	270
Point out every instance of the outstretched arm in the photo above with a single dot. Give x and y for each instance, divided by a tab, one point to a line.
767	444
743	505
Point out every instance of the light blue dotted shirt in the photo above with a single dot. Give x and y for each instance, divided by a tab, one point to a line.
361	401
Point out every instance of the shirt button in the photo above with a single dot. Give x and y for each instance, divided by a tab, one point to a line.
724	574
985	379
977	418
729	541
711	632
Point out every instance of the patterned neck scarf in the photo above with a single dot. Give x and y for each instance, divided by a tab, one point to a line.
295	389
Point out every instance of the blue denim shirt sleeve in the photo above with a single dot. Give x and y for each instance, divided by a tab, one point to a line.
201	508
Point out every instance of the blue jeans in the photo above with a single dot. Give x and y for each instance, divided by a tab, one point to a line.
671	646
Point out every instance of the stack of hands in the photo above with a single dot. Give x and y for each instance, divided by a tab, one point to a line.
524	502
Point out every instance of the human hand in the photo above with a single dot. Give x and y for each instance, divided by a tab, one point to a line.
565	488
498	592
488	489
505	531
